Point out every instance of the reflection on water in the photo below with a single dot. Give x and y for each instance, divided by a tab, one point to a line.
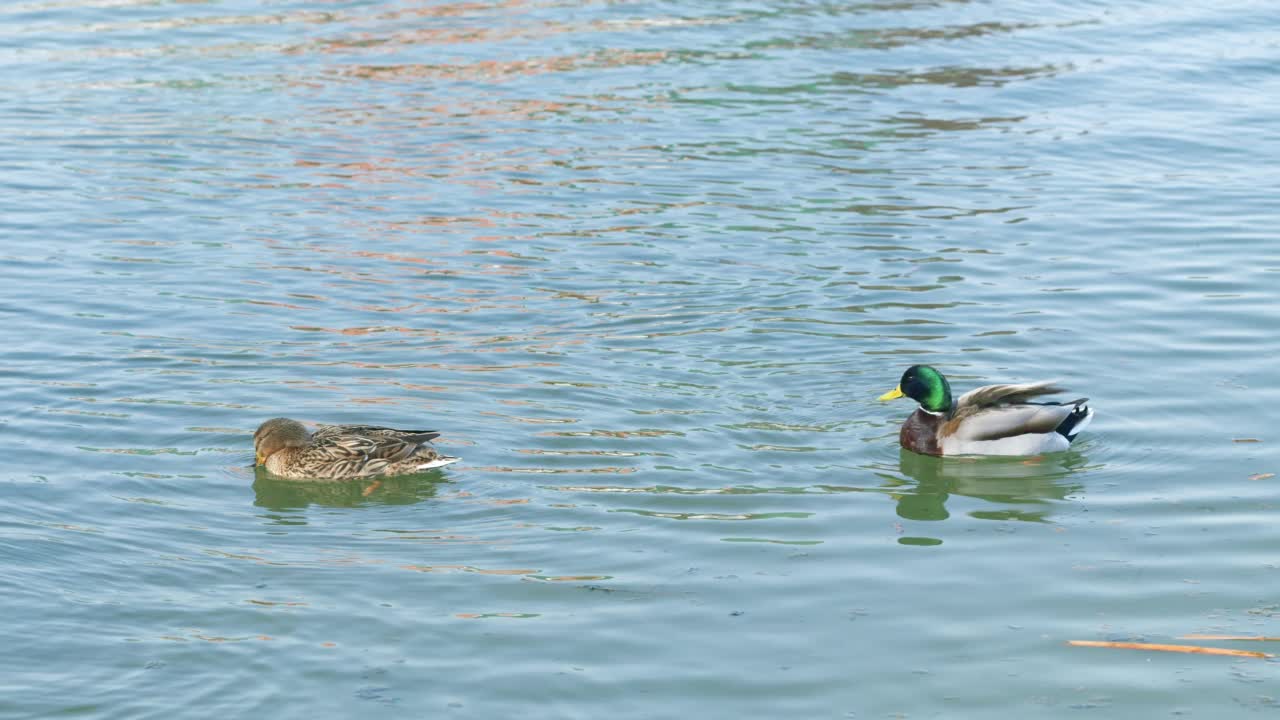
275	494
1022	488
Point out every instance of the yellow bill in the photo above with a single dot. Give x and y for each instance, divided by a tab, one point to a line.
257	459
893	394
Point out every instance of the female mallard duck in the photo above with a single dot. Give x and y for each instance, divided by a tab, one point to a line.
990	420
343	452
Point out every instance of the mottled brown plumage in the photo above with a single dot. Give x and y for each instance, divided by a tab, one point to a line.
343	452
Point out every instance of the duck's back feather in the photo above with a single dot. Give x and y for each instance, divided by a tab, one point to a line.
1003	421
359	451
374	431
1011	394
994	412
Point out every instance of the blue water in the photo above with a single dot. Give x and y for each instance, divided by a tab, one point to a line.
647	266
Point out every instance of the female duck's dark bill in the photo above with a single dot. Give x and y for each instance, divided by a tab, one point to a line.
893	394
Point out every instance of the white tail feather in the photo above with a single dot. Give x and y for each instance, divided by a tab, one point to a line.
1084	423
439	462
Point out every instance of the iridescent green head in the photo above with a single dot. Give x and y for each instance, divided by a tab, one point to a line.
926	386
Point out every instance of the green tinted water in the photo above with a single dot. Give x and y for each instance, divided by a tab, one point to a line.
647	265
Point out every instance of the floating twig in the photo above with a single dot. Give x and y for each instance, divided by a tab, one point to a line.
1158	647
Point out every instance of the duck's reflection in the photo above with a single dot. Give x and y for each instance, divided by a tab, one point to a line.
1022	488
281	495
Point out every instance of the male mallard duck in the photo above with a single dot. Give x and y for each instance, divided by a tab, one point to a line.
343	452
990	420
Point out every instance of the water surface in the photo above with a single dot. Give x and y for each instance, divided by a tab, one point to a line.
647	265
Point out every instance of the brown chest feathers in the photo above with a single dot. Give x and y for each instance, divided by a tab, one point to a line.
920	432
